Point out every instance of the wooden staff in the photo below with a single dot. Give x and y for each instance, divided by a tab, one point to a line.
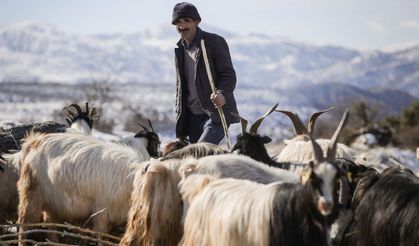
214	90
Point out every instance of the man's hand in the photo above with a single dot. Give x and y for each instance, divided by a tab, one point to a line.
218	99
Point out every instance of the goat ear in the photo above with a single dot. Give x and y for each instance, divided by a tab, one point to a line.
266	139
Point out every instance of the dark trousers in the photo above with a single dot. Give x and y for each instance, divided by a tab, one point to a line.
203	129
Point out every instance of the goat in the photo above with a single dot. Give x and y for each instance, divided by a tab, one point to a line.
155	214
79	120
146	142
240	212
71	176
8	179
195	150
252	144
299	148
151	213
173	146
387	209
359	176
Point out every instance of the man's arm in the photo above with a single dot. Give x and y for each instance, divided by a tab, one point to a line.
223	66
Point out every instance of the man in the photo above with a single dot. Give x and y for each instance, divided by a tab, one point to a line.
196	104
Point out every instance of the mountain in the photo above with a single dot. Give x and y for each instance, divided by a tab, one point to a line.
43	64
35	51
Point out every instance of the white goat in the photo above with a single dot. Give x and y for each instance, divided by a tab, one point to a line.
71	176
155	214
299	148
79	120
8	189
240	212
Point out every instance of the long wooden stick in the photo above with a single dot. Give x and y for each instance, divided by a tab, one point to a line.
214	90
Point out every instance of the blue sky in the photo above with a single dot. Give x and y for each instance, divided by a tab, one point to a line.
360	24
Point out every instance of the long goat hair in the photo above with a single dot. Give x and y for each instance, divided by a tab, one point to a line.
156	199
195	150
8	179
240	212
388	213
70	176
170	172
360	177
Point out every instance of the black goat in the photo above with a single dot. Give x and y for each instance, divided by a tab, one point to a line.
388	213
153	140
252	144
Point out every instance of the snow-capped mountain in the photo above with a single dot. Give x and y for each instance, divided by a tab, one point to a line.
140	66
34	51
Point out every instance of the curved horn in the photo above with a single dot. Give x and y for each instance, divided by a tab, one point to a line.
313	118
76	106
69	120
298	125
255	126
243	122
143	126
331	150
151	126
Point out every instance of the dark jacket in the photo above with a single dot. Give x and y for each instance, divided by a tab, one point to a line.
223	75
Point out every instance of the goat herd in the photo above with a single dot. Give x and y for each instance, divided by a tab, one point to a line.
312	193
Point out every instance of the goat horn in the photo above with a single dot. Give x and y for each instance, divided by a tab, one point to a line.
93	112
313	118
255	126
317	150
87	107
298	125
331	150
68	120
145	128
243	122
70	114
151	126
77	107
